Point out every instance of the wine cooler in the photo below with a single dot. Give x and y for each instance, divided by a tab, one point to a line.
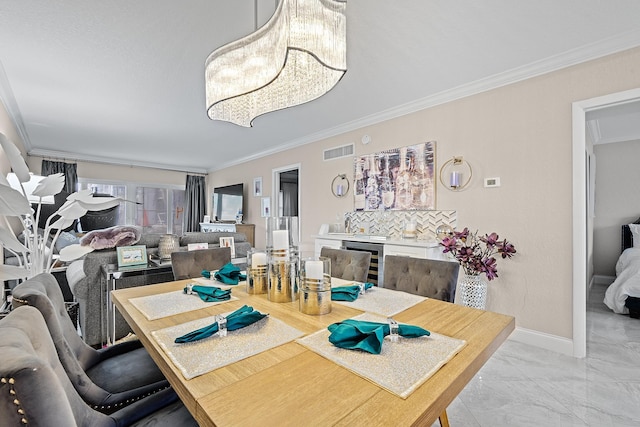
376	268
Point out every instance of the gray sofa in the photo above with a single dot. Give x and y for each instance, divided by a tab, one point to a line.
87	280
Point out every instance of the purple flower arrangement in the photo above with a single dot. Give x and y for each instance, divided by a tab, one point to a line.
476	253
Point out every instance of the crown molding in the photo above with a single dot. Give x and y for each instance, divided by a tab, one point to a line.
566	59
111	161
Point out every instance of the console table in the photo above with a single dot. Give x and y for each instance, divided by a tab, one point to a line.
112	275
248	230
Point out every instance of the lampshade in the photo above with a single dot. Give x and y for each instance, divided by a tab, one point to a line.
296	57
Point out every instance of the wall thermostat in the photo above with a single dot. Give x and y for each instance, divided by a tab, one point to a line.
366	139
492	182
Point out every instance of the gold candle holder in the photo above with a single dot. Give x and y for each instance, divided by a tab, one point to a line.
315	300
283	286
257	282
315	286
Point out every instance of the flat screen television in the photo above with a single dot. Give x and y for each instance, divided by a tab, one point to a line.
227	202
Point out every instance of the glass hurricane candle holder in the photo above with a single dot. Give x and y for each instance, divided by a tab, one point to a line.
282	257
315	285
257	272
410	229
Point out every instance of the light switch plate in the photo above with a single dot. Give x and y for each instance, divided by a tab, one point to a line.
492	182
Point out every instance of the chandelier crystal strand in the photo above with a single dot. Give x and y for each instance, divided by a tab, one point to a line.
296	57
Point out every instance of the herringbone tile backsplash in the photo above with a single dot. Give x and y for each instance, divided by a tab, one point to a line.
391	223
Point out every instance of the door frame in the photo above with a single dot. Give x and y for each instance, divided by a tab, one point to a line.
580	201
275	180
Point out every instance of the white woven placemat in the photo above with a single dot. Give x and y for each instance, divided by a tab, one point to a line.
170	303
401	366
199	357
213	282
379	300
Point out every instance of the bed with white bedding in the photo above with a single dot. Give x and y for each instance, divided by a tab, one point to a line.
623	295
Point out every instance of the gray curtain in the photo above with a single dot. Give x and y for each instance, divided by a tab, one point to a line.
195	202
69	170
289	198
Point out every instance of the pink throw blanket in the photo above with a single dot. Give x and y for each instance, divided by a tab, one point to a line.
119	235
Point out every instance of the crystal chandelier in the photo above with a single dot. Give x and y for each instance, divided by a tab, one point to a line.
296	57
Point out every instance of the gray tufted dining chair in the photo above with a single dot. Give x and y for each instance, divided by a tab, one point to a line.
106	379
35	389
347	264
189	264
420	276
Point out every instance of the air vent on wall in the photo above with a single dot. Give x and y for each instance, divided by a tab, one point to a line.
338	152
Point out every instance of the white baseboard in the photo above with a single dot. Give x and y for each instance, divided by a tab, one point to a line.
540	339
603	280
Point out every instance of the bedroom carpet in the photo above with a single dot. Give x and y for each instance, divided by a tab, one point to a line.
523	385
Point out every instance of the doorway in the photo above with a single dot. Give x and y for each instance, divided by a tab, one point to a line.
286	184
582	231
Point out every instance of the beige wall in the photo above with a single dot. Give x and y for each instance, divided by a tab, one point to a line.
7	128
616	201
121	173
520	133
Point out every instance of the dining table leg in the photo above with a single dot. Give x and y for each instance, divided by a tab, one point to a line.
444	420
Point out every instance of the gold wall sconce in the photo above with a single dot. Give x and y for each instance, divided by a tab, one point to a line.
456	173
340	185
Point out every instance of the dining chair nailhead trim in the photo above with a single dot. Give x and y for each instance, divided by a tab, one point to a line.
98	407
16	401
21	301
128	401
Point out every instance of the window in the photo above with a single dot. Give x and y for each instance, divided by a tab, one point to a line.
157	209
160	210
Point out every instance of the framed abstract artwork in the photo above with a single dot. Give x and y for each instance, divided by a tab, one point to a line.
257	187
398	179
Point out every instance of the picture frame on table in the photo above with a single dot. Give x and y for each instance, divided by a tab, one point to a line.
228	242
132	255
257	186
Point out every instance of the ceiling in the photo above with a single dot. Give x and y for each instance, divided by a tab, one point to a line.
122	81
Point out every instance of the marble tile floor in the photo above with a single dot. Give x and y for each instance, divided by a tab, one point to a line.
523	385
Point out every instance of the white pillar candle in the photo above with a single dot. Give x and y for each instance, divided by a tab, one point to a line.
313	270
455	179
280	239
259	258
411	226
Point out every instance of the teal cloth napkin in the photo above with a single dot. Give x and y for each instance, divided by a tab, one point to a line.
368	336
240	318
229	274
210	293
348	293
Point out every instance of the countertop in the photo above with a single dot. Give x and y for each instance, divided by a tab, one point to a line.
428	243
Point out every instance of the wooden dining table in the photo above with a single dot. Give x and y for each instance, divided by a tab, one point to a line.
293	385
